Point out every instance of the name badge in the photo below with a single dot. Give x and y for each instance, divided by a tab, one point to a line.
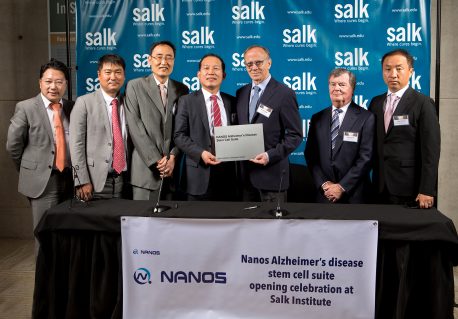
264	110
400	120
350	137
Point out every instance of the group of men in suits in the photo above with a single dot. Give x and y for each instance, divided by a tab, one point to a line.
138	139
399	138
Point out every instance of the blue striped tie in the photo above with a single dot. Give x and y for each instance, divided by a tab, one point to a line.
254	102
335	124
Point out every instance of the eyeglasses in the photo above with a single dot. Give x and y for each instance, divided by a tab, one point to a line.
258	64
160	58
59	83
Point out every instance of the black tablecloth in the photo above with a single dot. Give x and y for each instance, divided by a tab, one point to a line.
78	273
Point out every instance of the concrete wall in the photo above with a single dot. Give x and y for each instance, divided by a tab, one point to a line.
24	47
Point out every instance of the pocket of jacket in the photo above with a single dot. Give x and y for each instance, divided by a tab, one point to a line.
90	162
407	163
28	164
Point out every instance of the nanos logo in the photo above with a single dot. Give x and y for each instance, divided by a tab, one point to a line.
142	276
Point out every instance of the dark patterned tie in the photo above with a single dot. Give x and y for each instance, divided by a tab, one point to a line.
254	102
335	125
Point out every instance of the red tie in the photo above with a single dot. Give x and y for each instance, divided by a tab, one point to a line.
119	160
215	111
60	137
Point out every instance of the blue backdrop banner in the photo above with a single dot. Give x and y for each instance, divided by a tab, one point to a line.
306	39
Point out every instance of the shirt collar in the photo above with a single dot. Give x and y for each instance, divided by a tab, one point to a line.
208	94
263	84
166	84
46	102
108	99
343	108
399	93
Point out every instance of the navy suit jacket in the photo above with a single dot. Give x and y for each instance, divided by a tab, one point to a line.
282	133
192	137
349	163
407	155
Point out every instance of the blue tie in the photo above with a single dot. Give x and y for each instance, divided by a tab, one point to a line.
254	102
335	124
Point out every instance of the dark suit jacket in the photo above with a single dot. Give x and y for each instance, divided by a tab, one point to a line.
192	136
282	133
407	156
30	143
150	127
349	163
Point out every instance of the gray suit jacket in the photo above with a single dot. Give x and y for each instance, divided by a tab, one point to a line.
30	143
91	140
150	127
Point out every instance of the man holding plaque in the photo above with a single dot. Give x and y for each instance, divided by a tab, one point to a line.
274	105
197	116
339	144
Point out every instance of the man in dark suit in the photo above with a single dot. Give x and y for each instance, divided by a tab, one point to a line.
150	103
407	135
274	105
197	115
339	144
98	135
37	142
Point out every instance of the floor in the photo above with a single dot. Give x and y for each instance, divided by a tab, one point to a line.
17	273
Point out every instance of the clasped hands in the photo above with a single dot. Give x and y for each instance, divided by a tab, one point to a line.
165	166
332	191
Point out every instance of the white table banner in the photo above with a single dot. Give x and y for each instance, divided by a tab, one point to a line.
248	268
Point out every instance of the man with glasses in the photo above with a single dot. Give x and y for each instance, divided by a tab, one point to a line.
98	135
339	144
37	141
197	115
150	106
274	105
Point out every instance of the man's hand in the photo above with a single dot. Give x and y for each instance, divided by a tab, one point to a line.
209	158
262	159
166	166
85	191
332	191
425	201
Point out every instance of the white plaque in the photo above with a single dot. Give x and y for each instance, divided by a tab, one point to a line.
238	142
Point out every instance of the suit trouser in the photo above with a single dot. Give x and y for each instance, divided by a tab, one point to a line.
140	193
113	187
56	191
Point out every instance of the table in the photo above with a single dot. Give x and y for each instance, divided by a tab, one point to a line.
78	272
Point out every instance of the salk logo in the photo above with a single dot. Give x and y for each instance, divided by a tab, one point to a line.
141	61
238	63
205	277
105	38
92	84
202	36
153	14
306	34
142	276
415	81
251	12
301	84
359	99
348	59
357	10
410	33
192	83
